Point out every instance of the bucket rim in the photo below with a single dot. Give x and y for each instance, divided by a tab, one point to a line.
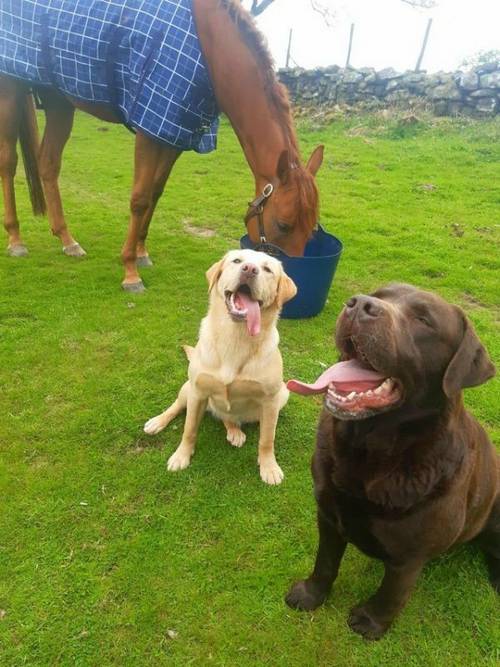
279	253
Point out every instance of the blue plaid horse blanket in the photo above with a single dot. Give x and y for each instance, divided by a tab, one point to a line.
141	57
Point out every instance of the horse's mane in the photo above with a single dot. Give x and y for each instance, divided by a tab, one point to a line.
280	103
276	91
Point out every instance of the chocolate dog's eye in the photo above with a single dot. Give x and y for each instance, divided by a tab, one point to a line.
424	320
236	261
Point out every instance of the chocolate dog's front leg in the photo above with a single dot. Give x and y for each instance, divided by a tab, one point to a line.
313	591
373	618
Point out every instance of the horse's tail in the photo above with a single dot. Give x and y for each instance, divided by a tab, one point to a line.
28	138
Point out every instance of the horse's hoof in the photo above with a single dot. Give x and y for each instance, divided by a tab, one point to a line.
136	288
17	250
74	250
143	261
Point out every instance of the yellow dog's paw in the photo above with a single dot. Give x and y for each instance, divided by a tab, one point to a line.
236	437
271	473
178	461
154	425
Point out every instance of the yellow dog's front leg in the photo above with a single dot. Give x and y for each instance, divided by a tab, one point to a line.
196	406
270	471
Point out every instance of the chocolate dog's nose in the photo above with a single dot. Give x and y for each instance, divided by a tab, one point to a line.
249	270
363	307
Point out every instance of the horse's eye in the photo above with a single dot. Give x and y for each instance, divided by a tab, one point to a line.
237	261
283	227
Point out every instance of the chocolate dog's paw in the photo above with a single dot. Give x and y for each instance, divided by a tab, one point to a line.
305	595
362	622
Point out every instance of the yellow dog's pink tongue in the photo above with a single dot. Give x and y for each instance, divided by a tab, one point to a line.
253	312
346	376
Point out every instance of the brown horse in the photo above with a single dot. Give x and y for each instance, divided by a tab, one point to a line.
246	90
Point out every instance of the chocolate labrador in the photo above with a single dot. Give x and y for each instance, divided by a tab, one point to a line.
401	469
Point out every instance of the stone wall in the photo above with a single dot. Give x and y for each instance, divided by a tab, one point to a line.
475	92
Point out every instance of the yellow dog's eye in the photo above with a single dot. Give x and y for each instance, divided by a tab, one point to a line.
236	261
266	268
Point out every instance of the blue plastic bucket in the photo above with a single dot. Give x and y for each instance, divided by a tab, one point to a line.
312	273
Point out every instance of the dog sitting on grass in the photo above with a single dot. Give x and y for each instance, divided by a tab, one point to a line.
236	370
401	468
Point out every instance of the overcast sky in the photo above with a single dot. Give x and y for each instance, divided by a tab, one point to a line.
387	32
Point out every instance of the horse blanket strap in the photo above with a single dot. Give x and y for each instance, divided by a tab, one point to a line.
141	57
256	208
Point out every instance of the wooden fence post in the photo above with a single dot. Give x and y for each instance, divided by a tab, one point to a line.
424	44
351	34
288	51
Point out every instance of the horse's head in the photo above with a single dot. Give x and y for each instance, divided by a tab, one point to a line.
286	210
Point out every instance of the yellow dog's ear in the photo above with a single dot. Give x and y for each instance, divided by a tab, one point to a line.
214	272
286	289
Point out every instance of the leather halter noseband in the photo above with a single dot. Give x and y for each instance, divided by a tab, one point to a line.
256	208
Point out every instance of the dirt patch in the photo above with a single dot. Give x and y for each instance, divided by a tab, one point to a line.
472	301
427	187
202	232
456	229
469	301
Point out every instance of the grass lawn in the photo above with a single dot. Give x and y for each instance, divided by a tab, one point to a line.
107	559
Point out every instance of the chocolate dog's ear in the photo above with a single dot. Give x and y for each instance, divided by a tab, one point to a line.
470	366
213	274
286	289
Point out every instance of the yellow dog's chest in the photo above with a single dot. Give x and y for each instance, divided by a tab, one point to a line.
223	395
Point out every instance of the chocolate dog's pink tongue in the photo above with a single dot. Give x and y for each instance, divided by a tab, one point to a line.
346	376
253	312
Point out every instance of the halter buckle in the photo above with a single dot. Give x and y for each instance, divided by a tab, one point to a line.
257	209
268	190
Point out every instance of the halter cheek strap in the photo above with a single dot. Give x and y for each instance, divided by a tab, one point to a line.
256	208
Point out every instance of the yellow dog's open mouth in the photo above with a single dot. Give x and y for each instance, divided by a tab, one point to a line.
243	307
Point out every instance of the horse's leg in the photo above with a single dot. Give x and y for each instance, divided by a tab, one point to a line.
59	115
147	160
9	128
167	160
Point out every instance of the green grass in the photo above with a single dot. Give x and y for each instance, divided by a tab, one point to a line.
102	553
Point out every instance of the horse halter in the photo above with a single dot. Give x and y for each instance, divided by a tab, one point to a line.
256	208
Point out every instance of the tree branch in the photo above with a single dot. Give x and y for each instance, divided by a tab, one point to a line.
257	8
327	13
422	4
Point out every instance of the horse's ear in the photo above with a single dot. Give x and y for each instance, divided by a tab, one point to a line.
283	167
316	160
286	289
213	274
470	366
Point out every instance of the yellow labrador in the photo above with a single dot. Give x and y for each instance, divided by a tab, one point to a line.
235	370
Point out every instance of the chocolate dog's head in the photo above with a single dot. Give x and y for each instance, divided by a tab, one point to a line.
402	344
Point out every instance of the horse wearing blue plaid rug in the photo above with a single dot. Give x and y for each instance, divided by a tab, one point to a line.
165	69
